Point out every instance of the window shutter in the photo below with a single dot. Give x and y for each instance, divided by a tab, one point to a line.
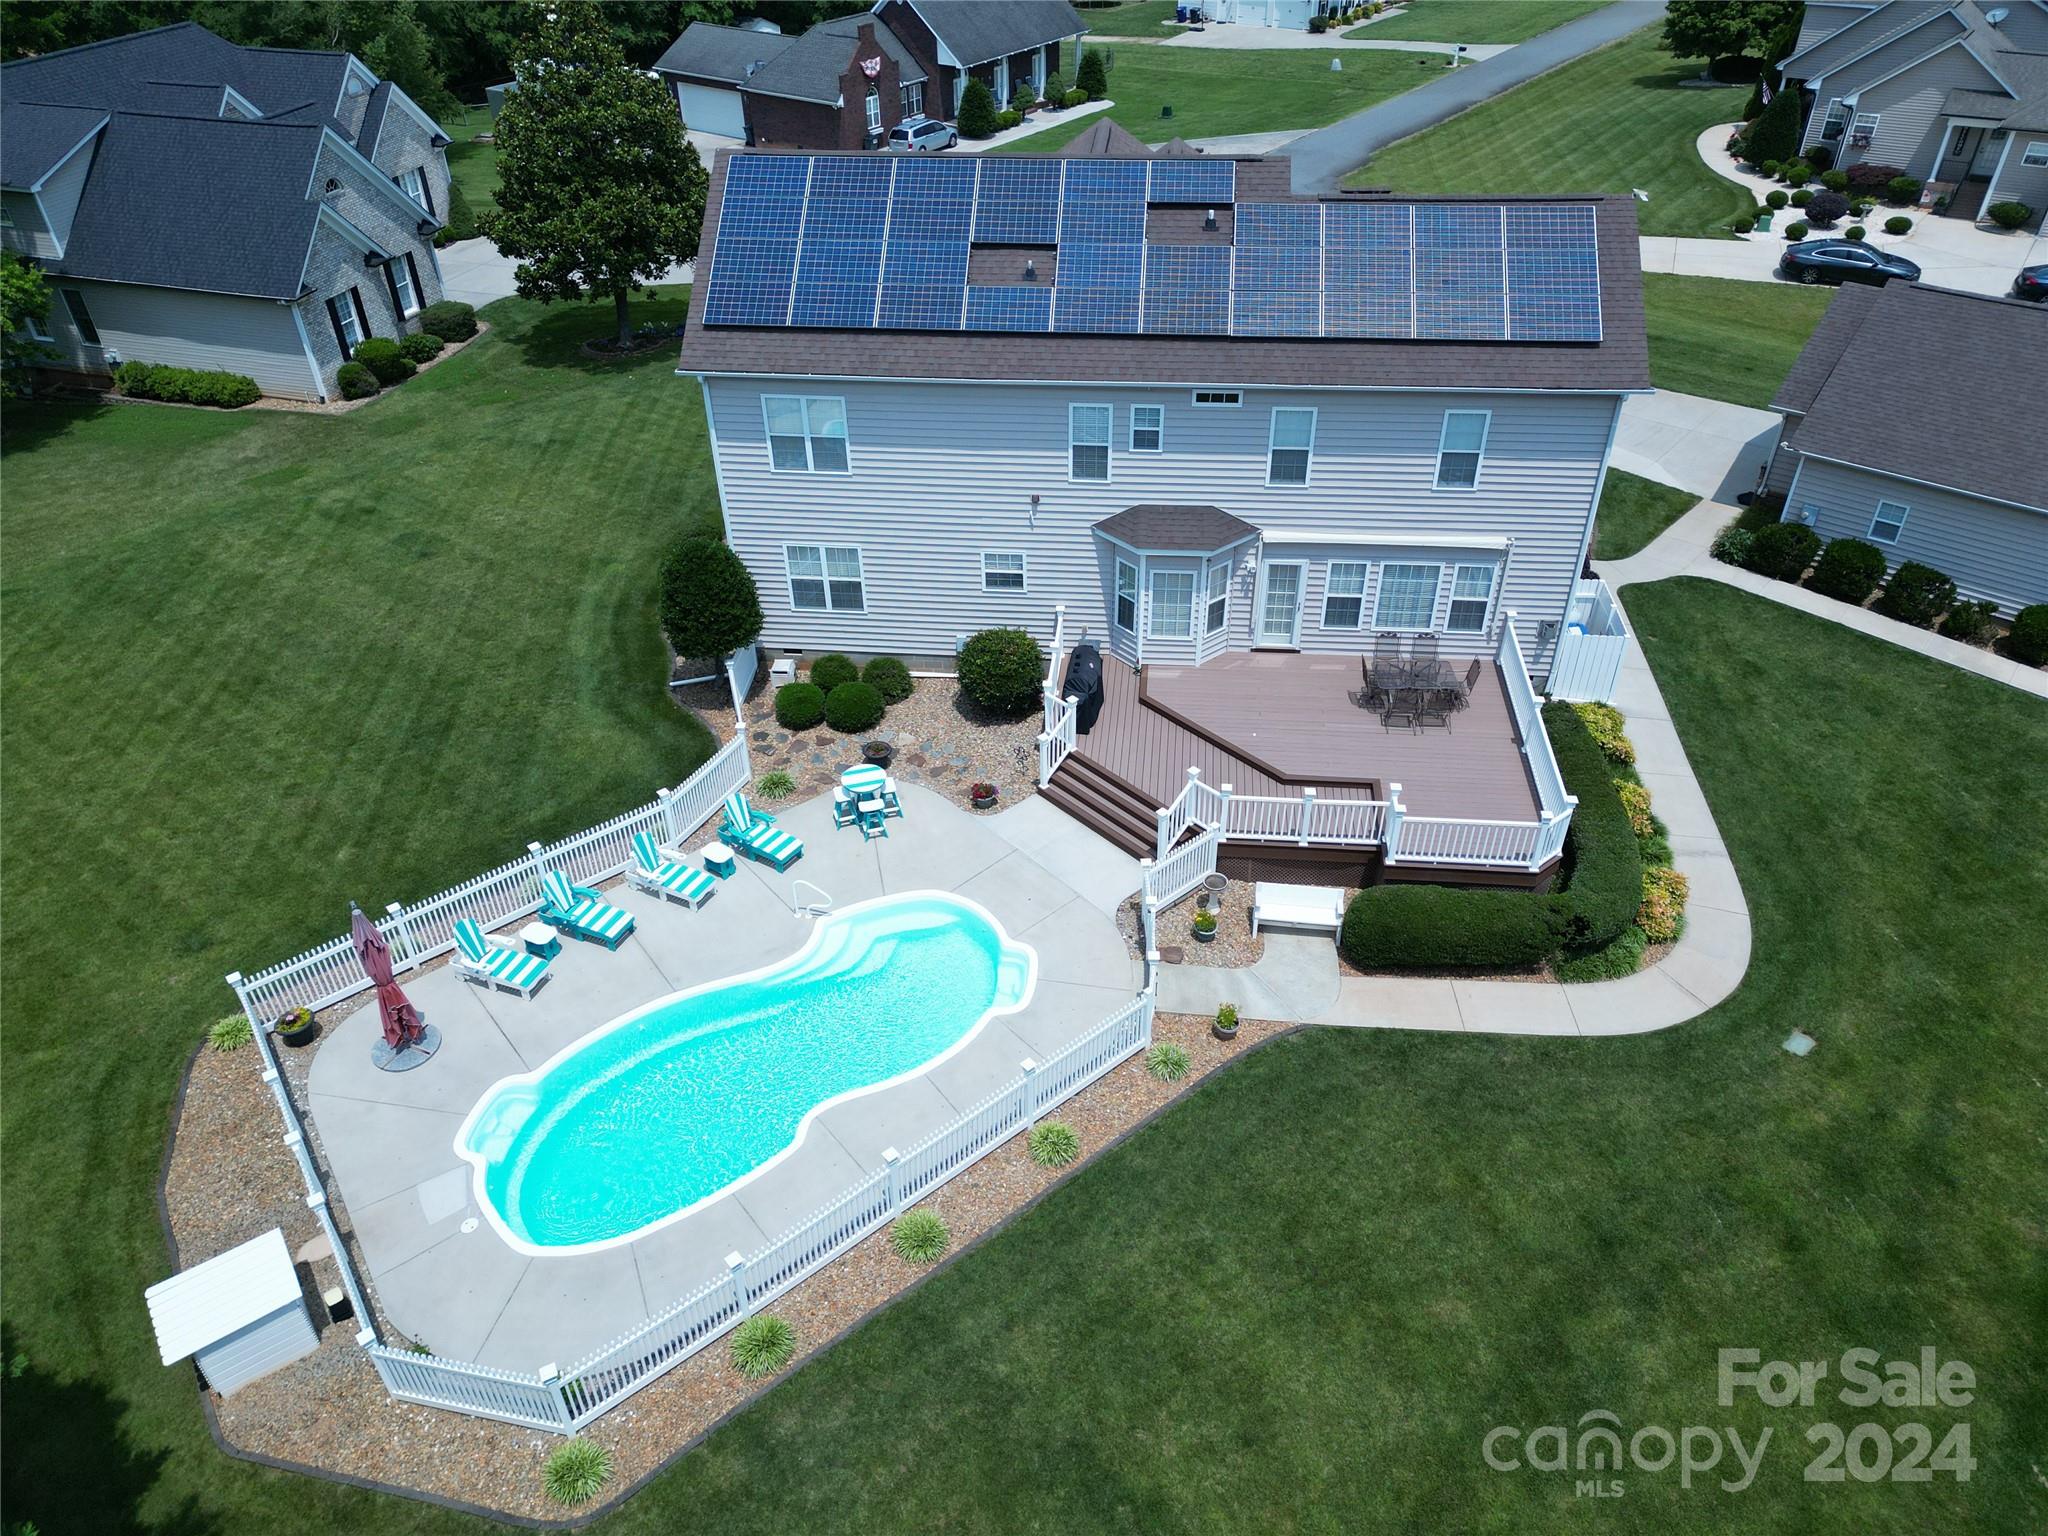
391	284
340	336
427	192
362	315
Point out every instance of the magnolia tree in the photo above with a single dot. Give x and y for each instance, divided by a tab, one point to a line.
601	194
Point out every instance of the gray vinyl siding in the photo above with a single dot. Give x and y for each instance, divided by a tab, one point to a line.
1821	21
2026	24
258	1349
184	330
942	472
2022	183
1910	127
60	194
1784	460
1989	550
28	232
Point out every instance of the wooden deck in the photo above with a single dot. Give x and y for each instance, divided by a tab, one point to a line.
1274	723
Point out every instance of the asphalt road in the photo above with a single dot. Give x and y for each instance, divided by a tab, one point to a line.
1324	158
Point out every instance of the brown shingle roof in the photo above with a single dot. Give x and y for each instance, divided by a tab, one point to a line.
1105	138
1195	530
1839	323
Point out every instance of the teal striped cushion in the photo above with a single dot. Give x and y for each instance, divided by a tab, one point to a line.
683	880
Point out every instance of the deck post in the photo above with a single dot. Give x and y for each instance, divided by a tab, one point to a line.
1030	1092
540	867
736	1271
1045	749
1395	811
404	925
1308	813
890	1158
1223	811
666	799
1159	835
1146	914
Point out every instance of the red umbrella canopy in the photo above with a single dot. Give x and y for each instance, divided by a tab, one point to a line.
401	1020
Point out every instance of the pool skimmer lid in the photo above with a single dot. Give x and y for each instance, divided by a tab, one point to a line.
1799	1043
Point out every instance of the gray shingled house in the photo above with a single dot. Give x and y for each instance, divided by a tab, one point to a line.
206	205
1888	437
1236	439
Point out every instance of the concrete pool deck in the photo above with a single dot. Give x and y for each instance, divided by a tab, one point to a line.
389	1137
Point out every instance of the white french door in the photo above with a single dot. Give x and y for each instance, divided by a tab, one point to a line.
1279	608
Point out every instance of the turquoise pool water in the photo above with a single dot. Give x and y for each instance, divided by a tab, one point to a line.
671	1104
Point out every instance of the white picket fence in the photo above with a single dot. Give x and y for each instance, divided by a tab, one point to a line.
567	1400
1591	648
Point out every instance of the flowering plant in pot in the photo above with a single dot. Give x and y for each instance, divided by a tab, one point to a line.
983	795
1205	926
295	1027
880	753
1225	1027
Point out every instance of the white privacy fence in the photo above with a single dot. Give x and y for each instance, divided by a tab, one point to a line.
1591	648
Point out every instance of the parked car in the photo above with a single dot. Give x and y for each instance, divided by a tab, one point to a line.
2032	283
922	133
1844	261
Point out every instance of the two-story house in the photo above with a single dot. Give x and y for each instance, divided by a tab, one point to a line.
206	205
1239	439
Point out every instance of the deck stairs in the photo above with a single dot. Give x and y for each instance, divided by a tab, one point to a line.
1105	804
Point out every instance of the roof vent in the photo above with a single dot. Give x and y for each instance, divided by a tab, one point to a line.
1997	17
1030	270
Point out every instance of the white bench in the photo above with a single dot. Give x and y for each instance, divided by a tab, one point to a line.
1297	906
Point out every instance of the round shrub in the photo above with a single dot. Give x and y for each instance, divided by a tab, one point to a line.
888	677
1775	198
420	346
709	605
1052	1144
1745	224
450	320
1821	158
2028	640
1075	98
1969	622
1796	173
1008	118
2009	215
1917	594
799	706
1835	181
356	382
1902	190
1731	545
1167	1062
1848	570
381	356
832	669
762	1345
576	1472
1441	928
1771	168
1856	232
1797	231
1802	197
1827	208
853	707
919	1236
1897	224
1623	956
1783	551
1002	670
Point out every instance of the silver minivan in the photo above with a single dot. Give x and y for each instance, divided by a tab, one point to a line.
922	133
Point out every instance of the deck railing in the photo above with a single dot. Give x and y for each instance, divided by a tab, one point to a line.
1056	740
1587	664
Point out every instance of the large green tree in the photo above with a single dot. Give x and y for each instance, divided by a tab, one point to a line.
1726	29
601	193
24	296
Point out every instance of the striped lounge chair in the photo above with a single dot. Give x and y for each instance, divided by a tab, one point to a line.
755	834
490	963
579	910
666	877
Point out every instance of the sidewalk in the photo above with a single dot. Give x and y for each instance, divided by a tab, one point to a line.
1037	122
1708	447
476	272
1222	34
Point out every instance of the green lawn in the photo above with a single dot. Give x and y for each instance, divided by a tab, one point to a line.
1634	511
1215	91
1616	120
473	166
256	664
1475	21
1727	339
1134	18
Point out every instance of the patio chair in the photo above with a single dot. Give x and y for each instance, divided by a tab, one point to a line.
1386	650
1433	706
755	834
1471	682
1372	693
658	876
492	963
843	813
1424	648
1401	705
581	912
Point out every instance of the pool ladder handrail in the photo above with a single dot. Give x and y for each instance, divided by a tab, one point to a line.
811	909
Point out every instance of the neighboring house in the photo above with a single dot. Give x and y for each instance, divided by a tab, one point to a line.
846	82
201	204
1932	471
1218	424
1954	94
1293	15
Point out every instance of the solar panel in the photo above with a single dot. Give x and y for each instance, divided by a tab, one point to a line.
839	258
1553	273
1460	281
1187	290
1104	202
924	263
1208	182
755	261
1277	286
1100	287
1368	270
1019	202
1009	308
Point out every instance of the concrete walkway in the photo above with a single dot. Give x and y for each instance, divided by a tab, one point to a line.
1322	159
1708	447
1038	122
1220	34
477	272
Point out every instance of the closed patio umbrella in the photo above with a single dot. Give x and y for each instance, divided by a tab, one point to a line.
402	1026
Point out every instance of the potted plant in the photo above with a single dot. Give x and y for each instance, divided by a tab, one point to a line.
296	1027
1225	1027
1205	926
982	796
879	753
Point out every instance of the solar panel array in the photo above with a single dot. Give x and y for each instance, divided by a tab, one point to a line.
882	242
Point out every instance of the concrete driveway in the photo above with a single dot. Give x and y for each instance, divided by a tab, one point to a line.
1218	34
1708	447
476	272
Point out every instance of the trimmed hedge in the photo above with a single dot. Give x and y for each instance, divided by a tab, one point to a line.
1438	927
1622	957
1603	865
799	706
853	707
420	347
2028	641
1783	550
381	356
186	386
1897	224
1917	594
1002	670
1849	570
451	320
2009	215
1969	622
1797	231
888	677
356	382
832	669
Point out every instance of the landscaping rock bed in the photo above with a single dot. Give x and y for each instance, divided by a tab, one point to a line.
1233	948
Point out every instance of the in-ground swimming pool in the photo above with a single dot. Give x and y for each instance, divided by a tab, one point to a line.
675	1102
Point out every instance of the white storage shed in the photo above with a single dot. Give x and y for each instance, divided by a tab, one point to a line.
240	1315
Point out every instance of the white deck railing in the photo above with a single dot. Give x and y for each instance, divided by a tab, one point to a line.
1056	740
1591	648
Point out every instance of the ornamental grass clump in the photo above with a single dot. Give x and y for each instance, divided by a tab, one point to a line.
762	1345
230	1033
1167	1062
577	1472
919	1236
775	785
1052	1144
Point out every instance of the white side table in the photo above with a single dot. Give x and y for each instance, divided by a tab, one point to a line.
717	858
541	940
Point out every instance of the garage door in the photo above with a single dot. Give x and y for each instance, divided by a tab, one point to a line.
707	109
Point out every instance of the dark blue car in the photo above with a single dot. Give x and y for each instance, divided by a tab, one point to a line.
1844	261
2032	283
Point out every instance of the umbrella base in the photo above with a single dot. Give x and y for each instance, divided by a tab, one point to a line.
387	1059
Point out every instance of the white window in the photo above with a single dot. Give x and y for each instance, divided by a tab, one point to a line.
1001	572
1864	125
402	284
2035	154
345	313
1219	397
1148	428
1460	449
1344	594
1888	522
1173	605
1219	600
1126	596
1088	428
825	578
874	105
1471	596
913	99
1288	449
1407	596
1832	123
413	184
806	432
